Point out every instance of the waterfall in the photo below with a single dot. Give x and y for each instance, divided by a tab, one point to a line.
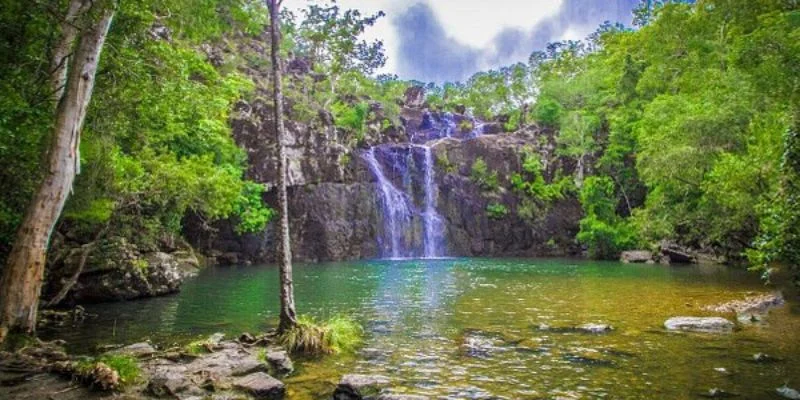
434	226
395	206
407	189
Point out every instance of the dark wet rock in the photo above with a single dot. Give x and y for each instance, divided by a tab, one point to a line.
492	128
699	324
414	97
673	253
247	338
788	393
142	349
280	362
357	387
261	386
636	256
765	358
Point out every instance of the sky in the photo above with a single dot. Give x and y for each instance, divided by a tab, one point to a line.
449	40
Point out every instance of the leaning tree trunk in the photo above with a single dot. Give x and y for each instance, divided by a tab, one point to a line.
63	48
288	317
21	282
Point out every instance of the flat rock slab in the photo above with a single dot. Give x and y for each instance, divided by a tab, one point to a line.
357	387
261	386
699	324
280	362
636	256
137	350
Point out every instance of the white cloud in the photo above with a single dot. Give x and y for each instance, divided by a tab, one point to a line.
471	22
477	22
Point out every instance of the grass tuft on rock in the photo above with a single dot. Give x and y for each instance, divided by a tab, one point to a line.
337	335
109	371
198	347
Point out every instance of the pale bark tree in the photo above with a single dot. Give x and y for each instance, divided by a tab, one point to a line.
288	317
73	79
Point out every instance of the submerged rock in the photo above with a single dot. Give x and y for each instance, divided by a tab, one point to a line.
765	358
788	393
357	387
716	393
595	328
592	328
699	324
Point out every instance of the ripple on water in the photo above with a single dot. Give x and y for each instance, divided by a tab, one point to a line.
465	328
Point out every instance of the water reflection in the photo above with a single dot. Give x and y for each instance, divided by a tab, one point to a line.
458	328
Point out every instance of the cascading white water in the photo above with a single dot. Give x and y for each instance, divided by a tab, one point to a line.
395	205
434	225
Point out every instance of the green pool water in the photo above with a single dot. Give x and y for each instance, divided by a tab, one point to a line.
467	328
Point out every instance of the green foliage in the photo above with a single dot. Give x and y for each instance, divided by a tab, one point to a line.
351	118
602	231
156	144
482	177
531	181
444	164
337	335
466	125
682	120
197	347
496	210
547	111
126	366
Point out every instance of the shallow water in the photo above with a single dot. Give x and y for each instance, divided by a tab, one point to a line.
467	328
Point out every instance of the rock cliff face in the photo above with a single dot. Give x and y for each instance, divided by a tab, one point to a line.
336	209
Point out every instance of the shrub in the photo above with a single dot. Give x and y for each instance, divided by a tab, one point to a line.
496	210
602	230
466	126
481	175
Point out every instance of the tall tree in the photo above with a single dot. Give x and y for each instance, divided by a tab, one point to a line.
21	283
288	317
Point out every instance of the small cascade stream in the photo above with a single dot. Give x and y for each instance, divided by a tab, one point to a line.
434	224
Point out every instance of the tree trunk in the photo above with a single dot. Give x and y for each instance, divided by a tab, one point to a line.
63	48
288	318
21	283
